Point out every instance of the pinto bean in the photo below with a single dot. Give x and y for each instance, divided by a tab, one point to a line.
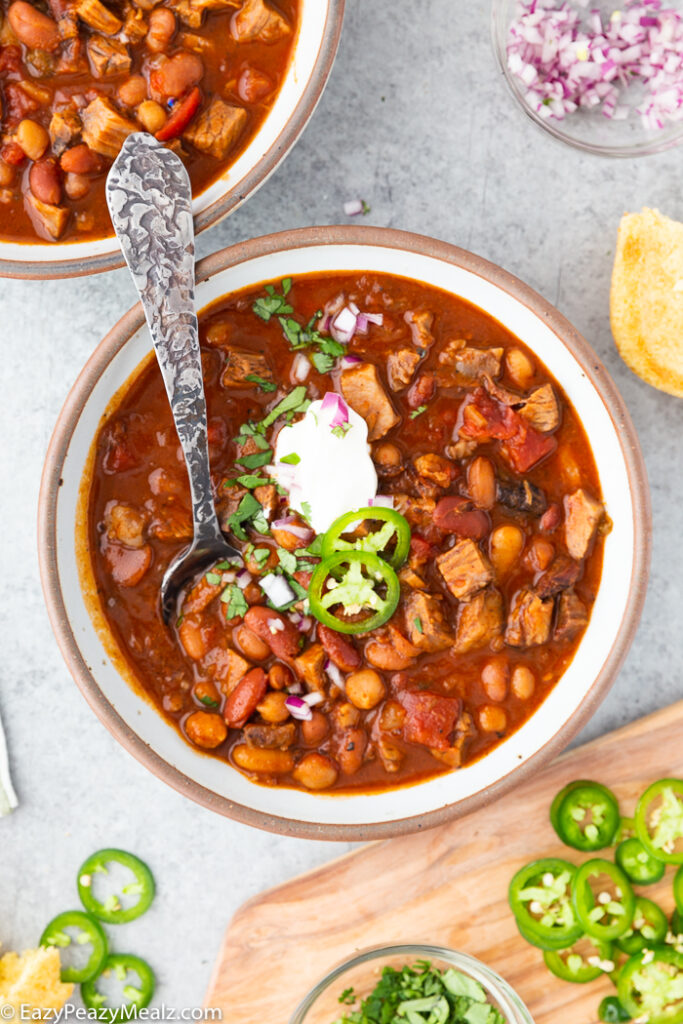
32	138
44	181
192	638
251	645
523	682
365	688
245	698
505	548
481	482
279	676
81	159
316	771
162	26
494	677
315	729
454	515
383	655
539	554
177	74
272	708
205	729
350	750
76	186
33	28
266	762
281	635
133	91
422	391
338	649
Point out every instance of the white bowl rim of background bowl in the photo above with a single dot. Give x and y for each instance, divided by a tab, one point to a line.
140	727
312	58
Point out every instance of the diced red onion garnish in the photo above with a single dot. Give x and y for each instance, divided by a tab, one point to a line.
299	709
305	624
381	501
243	580
294	617
295	688
278	590
228	577
343	326
301	367
353	207
335	406
304	533
566	60
348	361
313	698
335	674
374	318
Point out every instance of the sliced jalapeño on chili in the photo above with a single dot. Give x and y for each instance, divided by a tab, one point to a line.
391	541
659	820
353	591
639	866
540	899
611	1011
584	961
649	928
137	994
650	986
116	909
83	930
585	816
603	899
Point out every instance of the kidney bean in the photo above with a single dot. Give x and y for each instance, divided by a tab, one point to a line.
422	391
33	28
284	640
338	649
45	181
178	74
550	519
76	186
454	515
81	159
12	154
244	699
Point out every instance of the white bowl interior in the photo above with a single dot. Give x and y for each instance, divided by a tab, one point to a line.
569	692
307	47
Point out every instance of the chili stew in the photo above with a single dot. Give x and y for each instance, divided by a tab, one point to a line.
78	76
425	624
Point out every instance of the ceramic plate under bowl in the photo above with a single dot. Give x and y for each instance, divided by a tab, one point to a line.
309	68
140	727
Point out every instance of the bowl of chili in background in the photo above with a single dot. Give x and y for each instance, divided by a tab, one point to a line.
105	676
277	79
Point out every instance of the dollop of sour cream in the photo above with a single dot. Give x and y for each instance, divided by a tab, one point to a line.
324	462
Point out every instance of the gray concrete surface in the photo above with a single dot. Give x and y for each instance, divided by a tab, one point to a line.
416	120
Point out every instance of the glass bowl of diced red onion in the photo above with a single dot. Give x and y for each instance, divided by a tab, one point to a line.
602	75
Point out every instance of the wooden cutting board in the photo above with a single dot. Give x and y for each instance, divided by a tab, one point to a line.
446	886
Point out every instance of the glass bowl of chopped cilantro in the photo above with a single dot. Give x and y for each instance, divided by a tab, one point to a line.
605	76
412	984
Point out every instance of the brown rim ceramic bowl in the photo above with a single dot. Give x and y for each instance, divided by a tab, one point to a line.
309	68
87	646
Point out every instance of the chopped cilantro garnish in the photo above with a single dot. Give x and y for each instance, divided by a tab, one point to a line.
306	510
248	480
260	556
235	600
314	548
249	511
265	385
179	620
417	621
366	209
418	412
348	996
294	402
273	304
287	560
213	578
291	460
322	361
342	430
207	701
256	460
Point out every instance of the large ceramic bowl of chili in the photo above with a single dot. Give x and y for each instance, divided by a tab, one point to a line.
442	517
227	84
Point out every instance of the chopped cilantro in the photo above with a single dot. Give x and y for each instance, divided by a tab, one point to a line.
348	996
235	600
314	549
249	510
229	563
366	209
260	555
322	361
306	510
417	622
256	460
248	480
294	402
342	430
287	560
291	460
208	702
418	412
179	621
265	385
214	578
273	304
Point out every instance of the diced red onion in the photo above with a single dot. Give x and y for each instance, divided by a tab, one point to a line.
335	674
381	501
330	310
348	361
343	326
305	624
294	617
304	533
301	367
374	318
353	207
243	580
567	62
295	688
335	406
299	709
313	698
278	590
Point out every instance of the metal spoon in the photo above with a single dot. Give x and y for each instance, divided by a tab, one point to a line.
150	202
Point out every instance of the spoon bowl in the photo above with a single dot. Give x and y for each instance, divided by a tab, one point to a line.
150	201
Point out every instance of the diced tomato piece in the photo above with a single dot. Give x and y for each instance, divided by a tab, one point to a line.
456	515
183	113
13	154
10	61
527	448
120	456
430	718
421	549
485	418
551	518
